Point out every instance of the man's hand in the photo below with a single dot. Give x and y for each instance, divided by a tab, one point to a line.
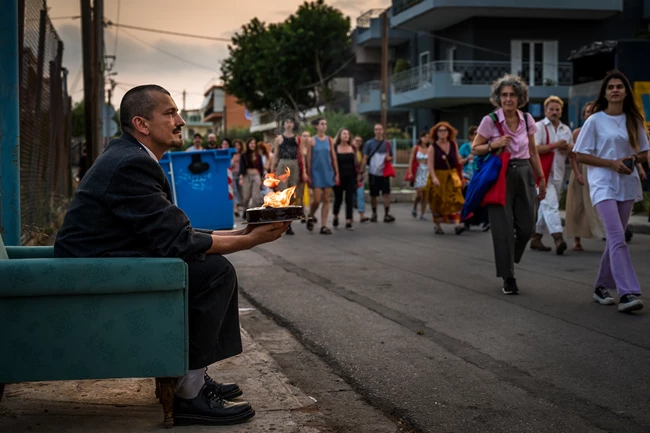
561	145
389	158
305	177
263	233
580	178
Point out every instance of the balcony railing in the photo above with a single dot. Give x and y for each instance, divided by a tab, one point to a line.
402	5
364	90
475	72
363	21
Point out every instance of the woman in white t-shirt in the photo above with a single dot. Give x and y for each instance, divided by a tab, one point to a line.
611	142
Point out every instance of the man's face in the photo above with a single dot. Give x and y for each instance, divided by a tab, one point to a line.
288	125
553	112
197	141
166	123
212	141
379	132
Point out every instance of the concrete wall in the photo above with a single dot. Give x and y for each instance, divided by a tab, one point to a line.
235	114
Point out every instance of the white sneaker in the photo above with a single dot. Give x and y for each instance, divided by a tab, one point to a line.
629	303
602	296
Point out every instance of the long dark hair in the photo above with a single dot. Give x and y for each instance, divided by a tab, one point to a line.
634	115
250	156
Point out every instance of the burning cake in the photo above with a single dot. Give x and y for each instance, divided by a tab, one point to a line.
277	205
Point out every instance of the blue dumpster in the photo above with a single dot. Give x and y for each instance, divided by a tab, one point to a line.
199	183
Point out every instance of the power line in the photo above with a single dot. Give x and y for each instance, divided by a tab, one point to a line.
168	53
109	23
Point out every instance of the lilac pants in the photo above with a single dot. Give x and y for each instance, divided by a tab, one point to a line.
616	269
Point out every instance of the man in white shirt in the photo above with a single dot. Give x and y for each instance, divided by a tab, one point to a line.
197	143
556	137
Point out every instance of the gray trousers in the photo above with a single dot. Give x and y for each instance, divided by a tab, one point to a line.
513	225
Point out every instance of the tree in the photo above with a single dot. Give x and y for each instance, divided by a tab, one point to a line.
320	34
293	61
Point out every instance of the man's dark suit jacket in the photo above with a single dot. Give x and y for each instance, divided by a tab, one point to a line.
123	208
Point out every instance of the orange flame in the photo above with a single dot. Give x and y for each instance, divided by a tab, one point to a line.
280	198
271	181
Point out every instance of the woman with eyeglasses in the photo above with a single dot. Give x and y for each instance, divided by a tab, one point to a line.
445	184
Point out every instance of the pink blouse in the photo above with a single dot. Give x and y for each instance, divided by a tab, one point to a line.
519	143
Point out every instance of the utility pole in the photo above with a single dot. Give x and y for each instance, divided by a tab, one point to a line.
87	49
384	69
98	71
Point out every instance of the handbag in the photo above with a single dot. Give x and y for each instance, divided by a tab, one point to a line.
496	195
497	192
458	183
546	160
389	170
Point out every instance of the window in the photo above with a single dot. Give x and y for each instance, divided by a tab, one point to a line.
535	61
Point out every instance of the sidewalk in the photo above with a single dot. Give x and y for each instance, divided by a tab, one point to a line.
129	405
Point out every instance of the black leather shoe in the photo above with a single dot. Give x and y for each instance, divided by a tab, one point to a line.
208	408
227	391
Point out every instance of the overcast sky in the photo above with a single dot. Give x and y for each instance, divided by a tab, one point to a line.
190	64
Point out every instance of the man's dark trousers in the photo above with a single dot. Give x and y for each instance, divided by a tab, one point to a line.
213	311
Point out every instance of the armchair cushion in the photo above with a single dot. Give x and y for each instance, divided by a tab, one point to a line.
46	277
72	319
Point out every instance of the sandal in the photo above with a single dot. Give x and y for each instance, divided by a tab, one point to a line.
578	247
439	231
325	231
364	220
310	224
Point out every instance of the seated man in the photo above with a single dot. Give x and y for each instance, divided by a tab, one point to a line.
122	208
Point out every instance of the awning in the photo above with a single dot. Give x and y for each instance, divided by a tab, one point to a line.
598	47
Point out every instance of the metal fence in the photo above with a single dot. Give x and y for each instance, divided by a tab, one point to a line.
45	173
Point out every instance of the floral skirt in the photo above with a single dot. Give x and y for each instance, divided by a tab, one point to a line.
446	201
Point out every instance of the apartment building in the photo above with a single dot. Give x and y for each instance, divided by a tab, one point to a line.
457	48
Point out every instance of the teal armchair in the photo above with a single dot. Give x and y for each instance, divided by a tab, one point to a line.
99	318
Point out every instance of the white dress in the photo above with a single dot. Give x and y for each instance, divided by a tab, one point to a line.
606	137
422	171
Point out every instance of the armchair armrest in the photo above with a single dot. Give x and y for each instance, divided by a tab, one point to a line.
83	276
30	252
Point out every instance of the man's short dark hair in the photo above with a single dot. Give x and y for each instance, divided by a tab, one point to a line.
138	102
198	135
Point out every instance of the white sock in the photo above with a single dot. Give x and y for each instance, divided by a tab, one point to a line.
190	385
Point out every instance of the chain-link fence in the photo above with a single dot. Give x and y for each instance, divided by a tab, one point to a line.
45	175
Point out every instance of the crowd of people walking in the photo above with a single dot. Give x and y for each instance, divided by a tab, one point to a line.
604	155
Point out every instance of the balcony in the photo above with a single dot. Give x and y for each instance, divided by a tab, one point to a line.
433	15
369	98
443	83
368	31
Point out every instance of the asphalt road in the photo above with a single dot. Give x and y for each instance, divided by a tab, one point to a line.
417	323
